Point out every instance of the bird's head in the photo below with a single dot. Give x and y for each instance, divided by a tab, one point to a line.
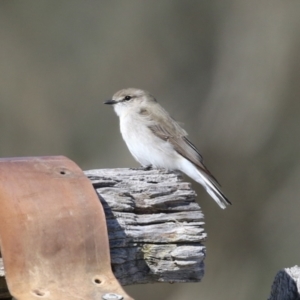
130	98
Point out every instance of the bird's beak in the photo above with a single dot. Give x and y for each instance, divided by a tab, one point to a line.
110	102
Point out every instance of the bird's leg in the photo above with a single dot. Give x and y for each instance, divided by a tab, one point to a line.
147	168
143	168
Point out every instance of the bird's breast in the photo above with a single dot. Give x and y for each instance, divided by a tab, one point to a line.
145	146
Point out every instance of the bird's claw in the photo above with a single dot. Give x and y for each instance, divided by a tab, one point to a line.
142	168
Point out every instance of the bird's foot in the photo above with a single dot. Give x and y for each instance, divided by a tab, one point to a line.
142	168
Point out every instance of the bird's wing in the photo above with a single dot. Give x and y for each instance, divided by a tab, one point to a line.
166	128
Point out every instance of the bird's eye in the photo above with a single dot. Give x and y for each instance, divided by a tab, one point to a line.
127	98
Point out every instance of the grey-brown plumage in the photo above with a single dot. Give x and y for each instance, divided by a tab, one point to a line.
155	138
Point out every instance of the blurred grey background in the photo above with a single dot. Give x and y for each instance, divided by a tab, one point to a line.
229	70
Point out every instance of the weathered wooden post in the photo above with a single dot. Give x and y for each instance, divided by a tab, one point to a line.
155	226
286	285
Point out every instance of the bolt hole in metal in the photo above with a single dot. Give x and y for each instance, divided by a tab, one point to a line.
39	293
97	281
111	296
62	171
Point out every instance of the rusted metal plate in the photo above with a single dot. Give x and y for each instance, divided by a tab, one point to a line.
53	232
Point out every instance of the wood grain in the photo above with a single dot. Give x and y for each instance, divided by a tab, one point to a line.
286	285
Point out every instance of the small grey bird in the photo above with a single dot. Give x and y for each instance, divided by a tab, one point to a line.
155	139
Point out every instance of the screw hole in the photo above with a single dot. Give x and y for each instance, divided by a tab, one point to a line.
39	293
97	281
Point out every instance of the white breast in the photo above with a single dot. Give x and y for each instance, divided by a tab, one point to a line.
145	147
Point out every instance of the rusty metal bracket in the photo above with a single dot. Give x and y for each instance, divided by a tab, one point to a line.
53	234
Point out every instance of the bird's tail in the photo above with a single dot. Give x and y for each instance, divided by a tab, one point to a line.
214	190
210	184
